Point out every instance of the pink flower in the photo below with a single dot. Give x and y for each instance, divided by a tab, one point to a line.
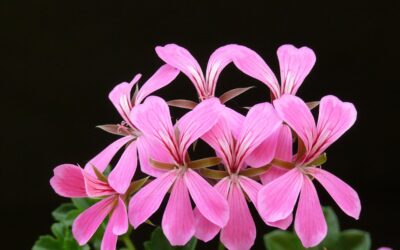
168	145
120	96
283	151
181	59
276	200
72	181
205	85
259	124
295	64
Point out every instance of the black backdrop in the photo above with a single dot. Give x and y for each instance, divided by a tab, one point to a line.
61	58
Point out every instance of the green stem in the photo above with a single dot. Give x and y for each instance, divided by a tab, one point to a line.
128	243
221	246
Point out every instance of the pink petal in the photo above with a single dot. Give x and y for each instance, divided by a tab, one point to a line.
240	232
221	140
217	62
264	153
284	147
276	200
310	224
68	181
261	122
335	118
178	218
120	218
210	202
103	159
153	119
250	63
197	122
234	119
298	116
283	152
282	224
221	136
250	187
109	241
86	224
272	173
117	225
163	76
122	174
206	230
181	59
148	199
120	97
149	149
295	64
345	196
96	187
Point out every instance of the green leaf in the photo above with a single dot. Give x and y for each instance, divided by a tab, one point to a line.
71	216
354	239
70	243
46	242
98	236
331	220
333	228
58	229
82	203
61	212
158	241
147	245
283	240
63	239
335	240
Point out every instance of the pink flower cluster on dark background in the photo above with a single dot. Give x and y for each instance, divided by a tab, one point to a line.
254	155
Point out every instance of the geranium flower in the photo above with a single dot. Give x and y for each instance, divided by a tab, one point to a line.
73	182
167	148
120	96
259	124
295	64
277	199
180	58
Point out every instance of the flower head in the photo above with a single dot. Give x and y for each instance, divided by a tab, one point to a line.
121	98
276	200
248	148
167	146
72	181
260	123
181	59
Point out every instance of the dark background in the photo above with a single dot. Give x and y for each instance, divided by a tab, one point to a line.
61	58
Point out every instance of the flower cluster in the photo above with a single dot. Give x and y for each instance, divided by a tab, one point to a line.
270	157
